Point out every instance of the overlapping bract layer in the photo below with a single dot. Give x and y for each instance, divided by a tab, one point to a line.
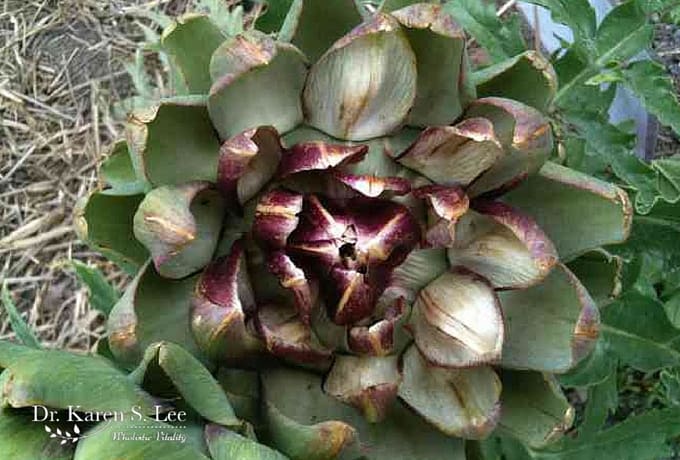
404	264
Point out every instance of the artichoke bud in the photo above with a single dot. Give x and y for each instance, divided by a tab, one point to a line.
368	383
447	205
387	231
221	309
457	321
247	162
380	337
180	227
288	337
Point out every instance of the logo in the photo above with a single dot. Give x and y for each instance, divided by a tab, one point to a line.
65	436
132	425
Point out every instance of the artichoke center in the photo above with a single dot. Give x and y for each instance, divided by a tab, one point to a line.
351	248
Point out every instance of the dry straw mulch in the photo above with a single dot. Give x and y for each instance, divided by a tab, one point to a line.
61	68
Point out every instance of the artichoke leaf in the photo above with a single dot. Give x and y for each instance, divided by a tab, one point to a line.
263	78
107	442
535	410
247	162
526	137
384	335
454	155
319	156
601	273
227	445
331	169
276	217
314	25
296	403
27	440
503	245
446	205
10	352
272	15
242	388
106	221
419	268
287	336
190	43
180	227
294	279
528	78
459	402
439	46
136	321
118	173
365	85
60	380
192	381
173	142
368	383
222	300
569	320
557	197
457	321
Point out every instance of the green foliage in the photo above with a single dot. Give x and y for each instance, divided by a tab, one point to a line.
650	81
103	296
229	20
19	326
502	40
640	437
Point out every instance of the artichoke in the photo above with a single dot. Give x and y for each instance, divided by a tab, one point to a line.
345	211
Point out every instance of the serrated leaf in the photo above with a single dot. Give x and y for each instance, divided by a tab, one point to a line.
602	399
616	147
501	39
623	33
158	17
230	21
652	84
672	308
140	78
19	326
103	296
641	437
639	333
654	242
578	15
593	370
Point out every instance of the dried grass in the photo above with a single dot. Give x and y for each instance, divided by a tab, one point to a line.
61	67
